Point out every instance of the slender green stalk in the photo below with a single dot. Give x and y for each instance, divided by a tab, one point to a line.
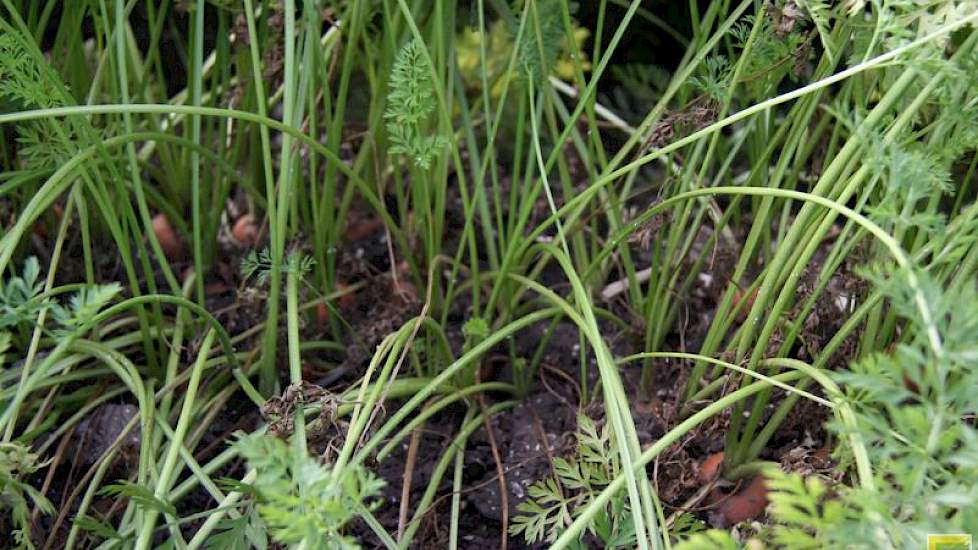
295	357
197	74
169	470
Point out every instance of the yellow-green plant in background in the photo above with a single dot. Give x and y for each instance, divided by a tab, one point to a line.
499	41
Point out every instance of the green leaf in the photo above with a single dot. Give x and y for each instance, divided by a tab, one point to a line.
714	539
820	12
4	346
85	305
242	533
476	328
625	533
97	528
141	496
299	500
18	302
540	44
16	496
410	102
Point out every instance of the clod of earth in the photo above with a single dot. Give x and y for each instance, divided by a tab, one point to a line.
97	433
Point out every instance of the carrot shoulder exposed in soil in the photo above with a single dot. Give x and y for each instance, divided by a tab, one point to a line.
348	298
362	229
245	230
743	308
747	504
344	301
322	314
167	237
710	468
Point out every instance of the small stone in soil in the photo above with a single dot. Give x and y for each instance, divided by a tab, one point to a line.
99	431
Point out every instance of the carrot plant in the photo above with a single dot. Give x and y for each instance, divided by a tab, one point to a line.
443	208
